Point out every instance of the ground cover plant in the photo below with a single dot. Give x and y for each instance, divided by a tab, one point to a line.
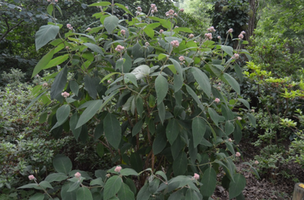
156	98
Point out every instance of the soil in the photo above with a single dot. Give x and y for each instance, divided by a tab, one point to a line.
269	186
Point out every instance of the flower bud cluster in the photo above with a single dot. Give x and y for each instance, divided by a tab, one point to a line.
119	48
230	30
241	35
174	43
69	26
153	8
211	29
171	13
191	35
65	94
208	36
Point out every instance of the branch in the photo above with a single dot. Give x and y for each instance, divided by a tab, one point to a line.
9	29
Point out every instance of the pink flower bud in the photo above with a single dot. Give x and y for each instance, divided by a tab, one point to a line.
175	14
241	36
117	168
67	47
230	140
239	118
139	9
211	29
217	100
191	35
174	43
237	154
196	176
65	94
256	162
88	29
31	177
235	56
123	32
243	32
208	36
219	37
119	48
161	31
77	175
182	10
153	5
252	110
44	84
147	44
181	58
56	1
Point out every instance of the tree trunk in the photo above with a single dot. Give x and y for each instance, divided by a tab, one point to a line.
252	19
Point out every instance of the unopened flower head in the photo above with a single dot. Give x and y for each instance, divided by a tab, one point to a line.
256	162
65	94
88	29
208	36
211	29
252	110
117	168
175	26
230	30
67	47
170	13
56	1
161	31
174	43
175	14
147	44
239	118
196	176
153	8
243	32
230	140
235	56
181	58
219	37
241	36
77	175
181	10
139	9
119	48
123	32
69	26
191	35
31	177
217	100
153	5
44	84
237	154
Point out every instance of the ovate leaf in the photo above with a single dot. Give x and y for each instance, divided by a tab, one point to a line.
59	83
209	182
45	34
112	130
89	112
112	187
198	130
62	164
111	23
236	187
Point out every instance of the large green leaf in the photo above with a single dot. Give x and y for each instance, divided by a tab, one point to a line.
125	193
37	196
232	82
144	193
161	87
180	164
83	193
161	112
195	97
112	130
91	85
172	130
58	177
229	128
159	143
62	115
45	34
73	122
89	112
214	116
59	83
191	194
62	164
112	187
209	182
43	62
236	187
65	195
136	129
203	80
111	23
227	49
198	130
94	47
56	61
